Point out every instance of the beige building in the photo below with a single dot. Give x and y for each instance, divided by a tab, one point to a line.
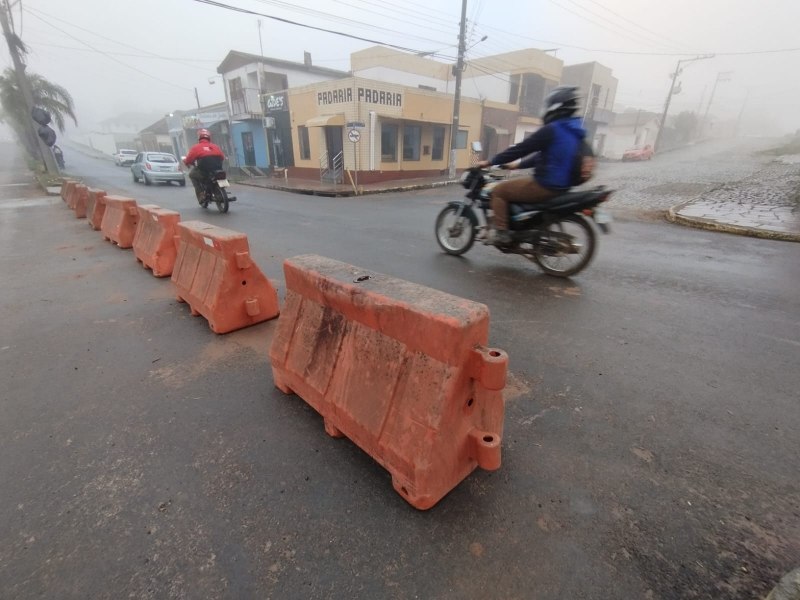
399	131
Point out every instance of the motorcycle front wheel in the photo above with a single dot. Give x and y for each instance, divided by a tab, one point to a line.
565	247
455	233
221	198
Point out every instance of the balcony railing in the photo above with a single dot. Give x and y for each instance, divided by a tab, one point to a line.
245	103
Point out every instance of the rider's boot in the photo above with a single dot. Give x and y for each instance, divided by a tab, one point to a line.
501	238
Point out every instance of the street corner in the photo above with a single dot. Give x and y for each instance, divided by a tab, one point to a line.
766	222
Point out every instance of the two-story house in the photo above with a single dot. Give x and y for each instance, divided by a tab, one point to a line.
255	91
599	88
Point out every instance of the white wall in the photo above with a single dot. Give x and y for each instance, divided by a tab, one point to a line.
390	75
487	87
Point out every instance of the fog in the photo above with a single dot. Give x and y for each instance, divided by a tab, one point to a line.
149	55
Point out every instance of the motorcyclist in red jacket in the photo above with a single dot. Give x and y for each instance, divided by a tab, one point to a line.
206	157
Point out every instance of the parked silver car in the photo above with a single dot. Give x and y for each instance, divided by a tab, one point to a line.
158	167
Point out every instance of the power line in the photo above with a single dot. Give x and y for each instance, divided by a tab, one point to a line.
642	27
320	14
88	45
634	52
129	54
389	16
407	12
621	30
38	13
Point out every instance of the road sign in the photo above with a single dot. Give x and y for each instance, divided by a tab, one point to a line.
356	125
353	135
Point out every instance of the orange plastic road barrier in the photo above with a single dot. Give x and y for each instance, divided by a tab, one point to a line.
120	220
95	207
400	369
79	198
70	191
215	275
65	188
154	242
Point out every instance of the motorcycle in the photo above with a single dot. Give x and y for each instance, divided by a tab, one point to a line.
214	188
554	234
59	155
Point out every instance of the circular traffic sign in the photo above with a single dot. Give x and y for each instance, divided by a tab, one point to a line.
353	135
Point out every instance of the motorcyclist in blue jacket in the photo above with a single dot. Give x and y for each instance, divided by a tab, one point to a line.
555	152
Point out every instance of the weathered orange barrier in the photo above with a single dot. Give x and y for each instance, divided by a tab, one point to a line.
120	220
65	188
215	275
72	190
400	369
79	198
154	243
95	207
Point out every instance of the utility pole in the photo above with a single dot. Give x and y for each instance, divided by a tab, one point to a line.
459	68
25	87
677	72
723	76
196	98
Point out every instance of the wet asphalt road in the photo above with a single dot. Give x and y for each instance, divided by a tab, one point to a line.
650	449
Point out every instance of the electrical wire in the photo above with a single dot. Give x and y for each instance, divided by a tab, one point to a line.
320	14
393	18
638	38
642	27
450	22
38	13
124	64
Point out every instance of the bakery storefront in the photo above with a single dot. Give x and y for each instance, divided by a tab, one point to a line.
374	131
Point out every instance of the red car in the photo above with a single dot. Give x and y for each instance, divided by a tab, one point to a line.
645	153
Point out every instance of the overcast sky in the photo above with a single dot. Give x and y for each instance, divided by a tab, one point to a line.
148	55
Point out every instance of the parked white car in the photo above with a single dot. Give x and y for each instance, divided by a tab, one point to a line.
125	157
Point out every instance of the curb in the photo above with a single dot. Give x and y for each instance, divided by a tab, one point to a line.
711	225
350	192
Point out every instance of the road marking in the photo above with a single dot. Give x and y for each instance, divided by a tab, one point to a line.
13	184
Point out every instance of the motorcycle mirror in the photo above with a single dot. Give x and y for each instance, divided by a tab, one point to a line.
477	146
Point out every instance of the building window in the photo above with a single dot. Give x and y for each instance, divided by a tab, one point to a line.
461	139
305	148
412	139
438	143
513	93
388	142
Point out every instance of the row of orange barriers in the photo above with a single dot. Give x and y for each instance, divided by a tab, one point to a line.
210	267
402	370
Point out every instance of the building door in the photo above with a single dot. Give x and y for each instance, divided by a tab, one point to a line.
249	149
333	143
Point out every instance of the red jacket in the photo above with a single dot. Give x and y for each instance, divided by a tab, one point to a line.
203	149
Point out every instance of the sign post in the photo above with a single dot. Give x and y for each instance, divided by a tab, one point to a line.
354	135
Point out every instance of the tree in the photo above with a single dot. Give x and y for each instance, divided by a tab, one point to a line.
48	95
685	126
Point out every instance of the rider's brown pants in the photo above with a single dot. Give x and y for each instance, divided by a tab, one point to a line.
522	190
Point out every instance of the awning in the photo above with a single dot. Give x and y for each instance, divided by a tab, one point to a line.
324	120
498	130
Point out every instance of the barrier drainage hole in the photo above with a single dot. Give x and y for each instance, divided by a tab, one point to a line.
470	401
494	353
244	283
362	278
488	439
404	490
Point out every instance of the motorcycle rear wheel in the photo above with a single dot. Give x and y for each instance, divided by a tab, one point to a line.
455	234
221	198
566	247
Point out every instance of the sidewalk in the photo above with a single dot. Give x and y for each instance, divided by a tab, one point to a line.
317	188
765	205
